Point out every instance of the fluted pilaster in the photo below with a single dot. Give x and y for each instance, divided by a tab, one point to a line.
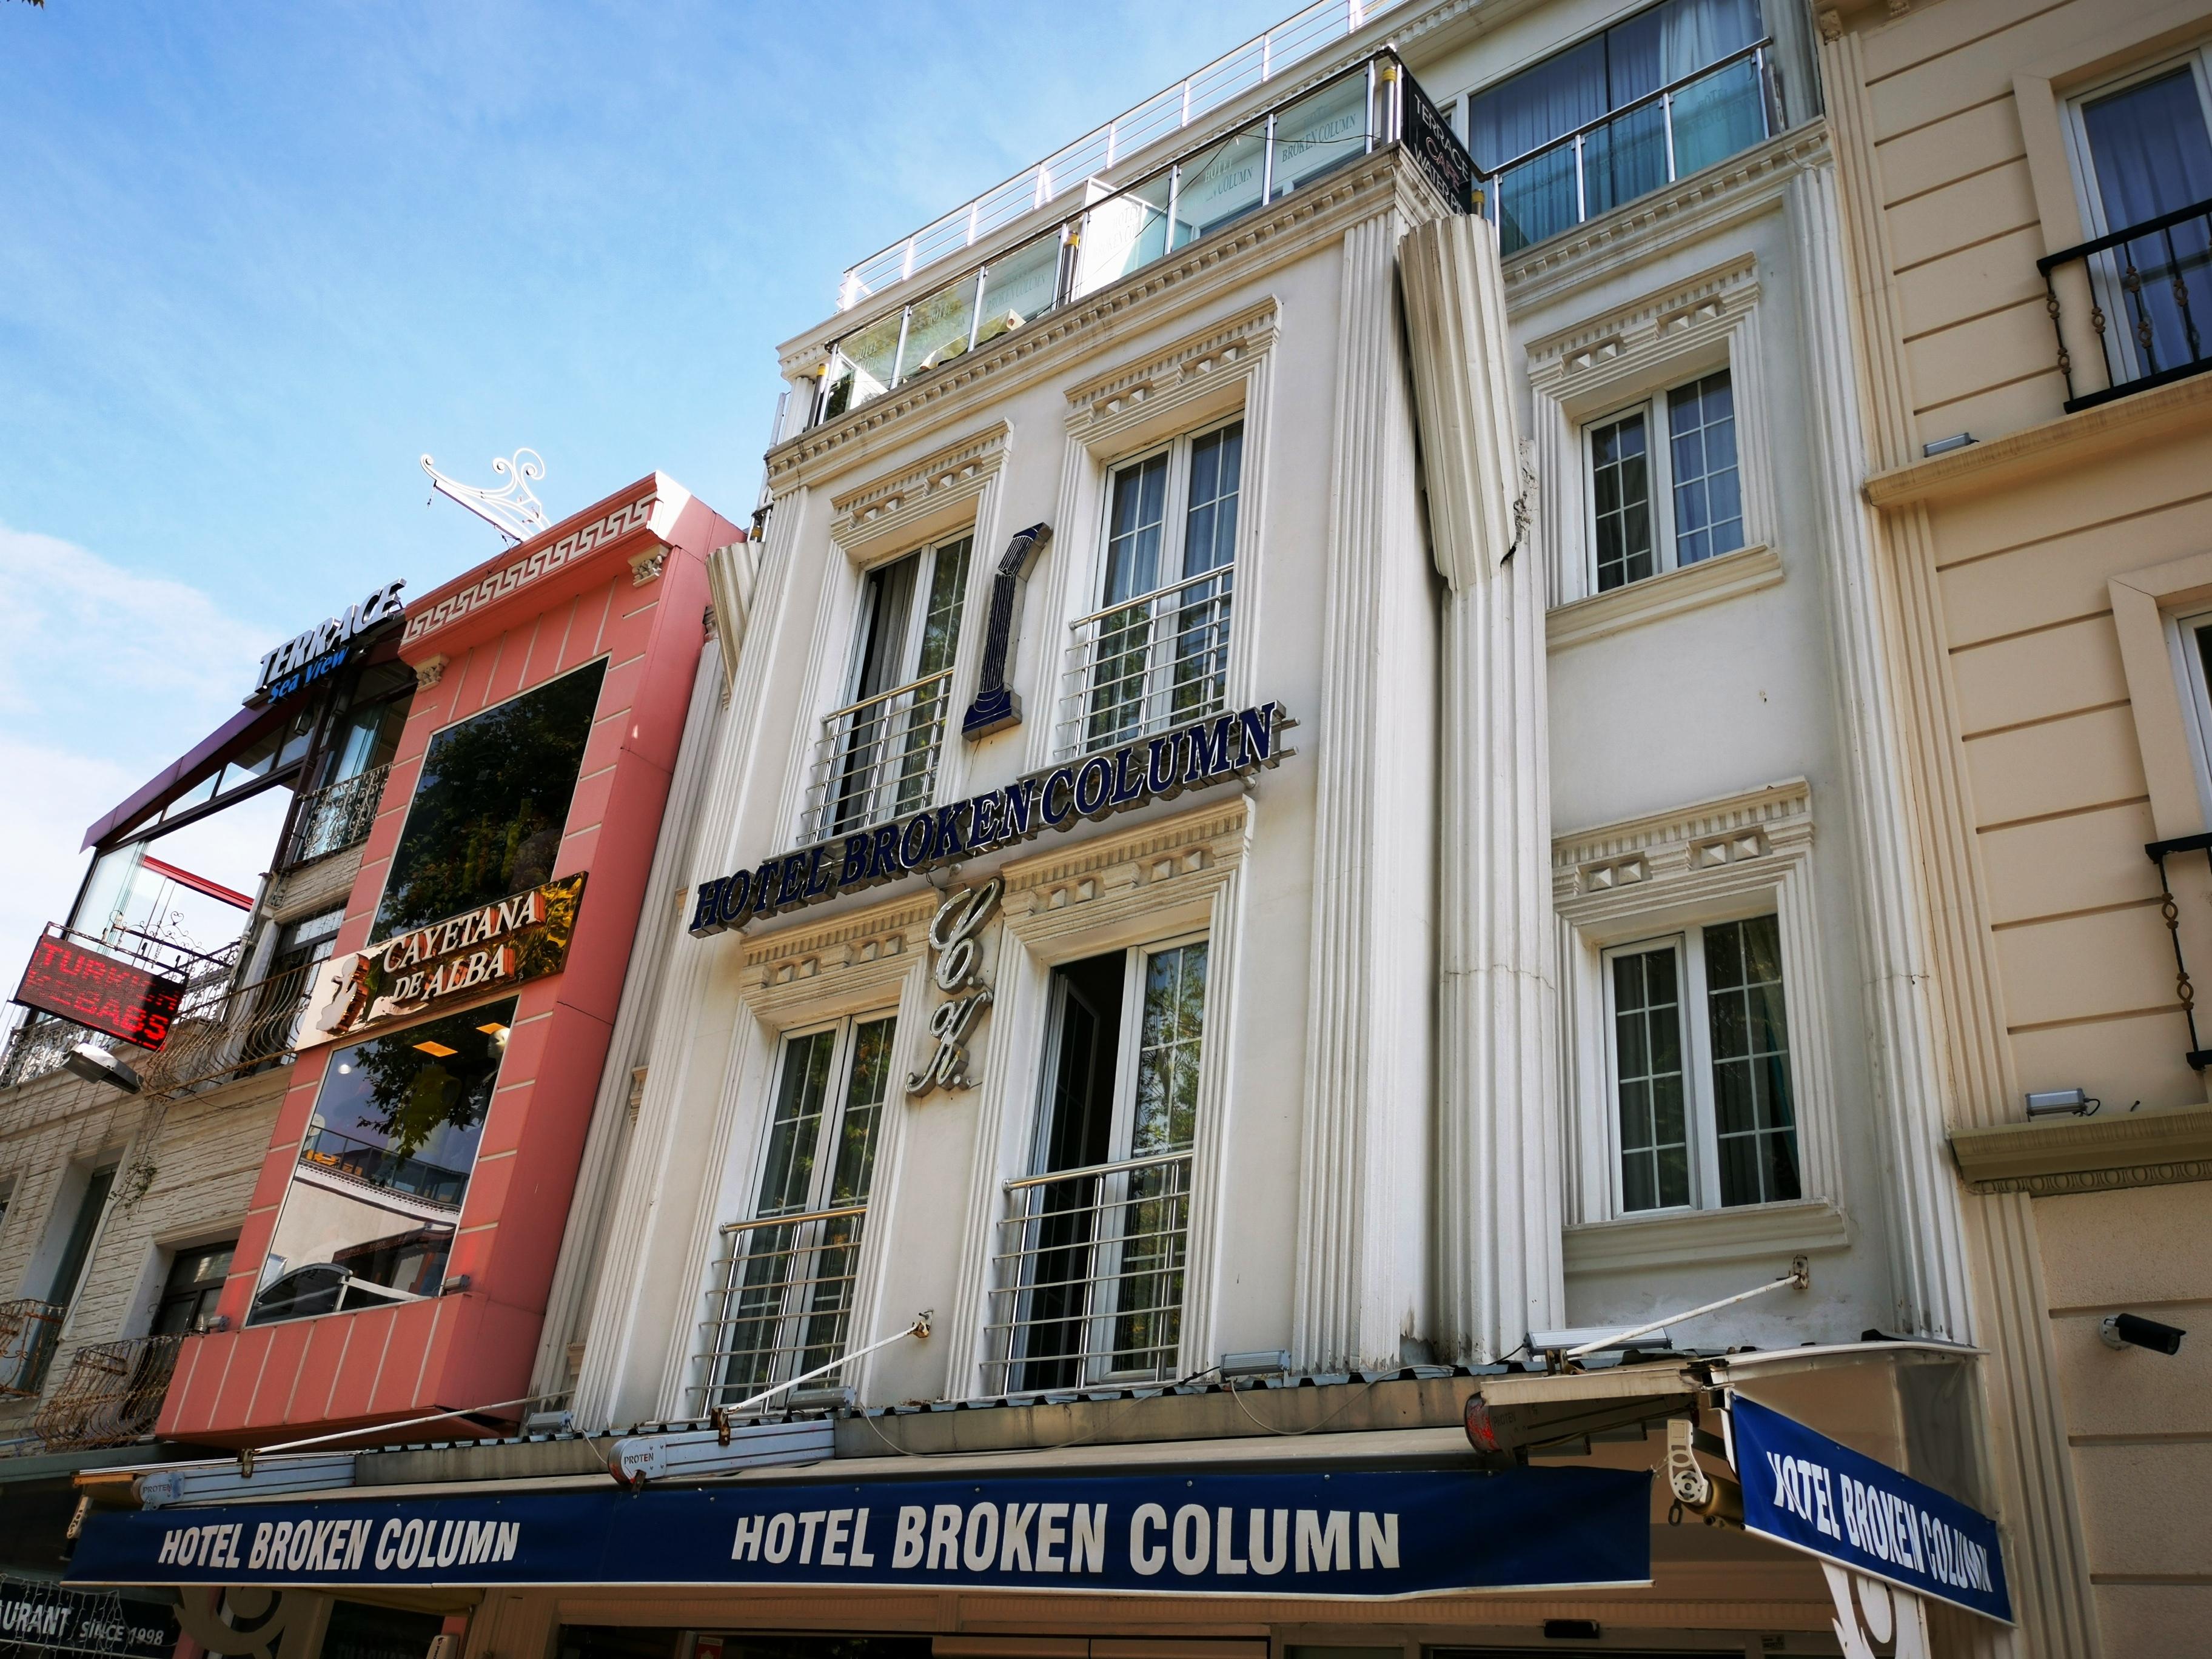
1498	1130
1366	1050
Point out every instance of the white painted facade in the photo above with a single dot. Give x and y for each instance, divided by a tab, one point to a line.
1407	1139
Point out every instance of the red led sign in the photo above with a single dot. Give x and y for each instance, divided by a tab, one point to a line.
100	993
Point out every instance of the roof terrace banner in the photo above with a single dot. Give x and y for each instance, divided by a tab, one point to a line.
1347	1533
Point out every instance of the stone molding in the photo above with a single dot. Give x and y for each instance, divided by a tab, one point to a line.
1196	365
885	508
578	543
1116	878
1670	594
798	974
2153	1148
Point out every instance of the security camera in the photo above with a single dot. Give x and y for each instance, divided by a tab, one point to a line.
96	1064
2133	1331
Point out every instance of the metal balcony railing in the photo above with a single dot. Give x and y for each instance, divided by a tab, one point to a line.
877	758
1120	230
1259	60
1089	1276
781	1302
28	1328
338	816
1685	127
2146	293
1148	664
110	1395
2184	989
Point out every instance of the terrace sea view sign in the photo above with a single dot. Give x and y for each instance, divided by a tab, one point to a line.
1197	756
299	662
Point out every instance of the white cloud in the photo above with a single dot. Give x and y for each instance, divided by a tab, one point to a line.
106	676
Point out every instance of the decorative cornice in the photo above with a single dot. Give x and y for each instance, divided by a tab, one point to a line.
1189	367
1634	234
1708	835
884	505
1100	879
2153	1148
1384	182
2184	407
541	561
1678	317
1687	587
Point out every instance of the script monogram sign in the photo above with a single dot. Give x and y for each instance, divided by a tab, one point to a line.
952	933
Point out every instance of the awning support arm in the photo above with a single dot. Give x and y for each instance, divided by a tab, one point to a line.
1798	1277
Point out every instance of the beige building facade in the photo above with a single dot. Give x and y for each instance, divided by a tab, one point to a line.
2025	193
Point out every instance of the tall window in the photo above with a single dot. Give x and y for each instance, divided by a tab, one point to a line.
1701	1069
491	804
879	752
383	1167
1665	489
1093	1245
77	1245
1157	653
1619	115
2150	155
784	1302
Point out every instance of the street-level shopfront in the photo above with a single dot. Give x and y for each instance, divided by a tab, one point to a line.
1564	1512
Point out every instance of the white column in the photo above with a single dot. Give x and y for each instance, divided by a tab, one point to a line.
1498	1131
1361	1204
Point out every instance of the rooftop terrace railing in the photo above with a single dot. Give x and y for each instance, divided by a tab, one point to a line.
1259	60
1118	232
2146	293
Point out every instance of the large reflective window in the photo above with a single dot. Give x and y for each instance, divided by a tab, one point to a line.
491	805
1221	185
368	1218
1122	234
1319	131
1019	287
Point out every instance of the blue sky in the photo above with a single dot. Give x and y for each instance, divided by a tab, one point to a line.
255	259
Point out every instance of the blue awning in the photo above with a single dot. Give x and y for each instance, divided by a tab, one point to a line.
1337	1534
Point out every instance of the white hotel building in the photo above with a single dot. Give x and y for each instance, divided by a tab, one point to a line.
1535	961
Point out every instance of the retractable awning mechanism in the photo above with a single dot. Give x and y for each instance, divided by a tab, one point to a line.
725	1447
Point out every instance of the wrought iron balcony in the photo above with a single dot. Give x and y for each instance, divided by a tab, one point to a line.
1119	231
877	758
330	819
2184	989
28	1328
110	1395
781	1301
1089	1276
1147	664
2145	294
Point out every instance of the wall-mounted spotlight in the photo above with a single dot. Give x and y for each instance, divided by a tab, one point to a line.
2134	1331
2061	1103
1265	1362
96	1064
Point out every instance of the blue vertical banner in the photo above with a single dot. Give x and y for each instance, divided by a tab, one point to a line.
1802	1489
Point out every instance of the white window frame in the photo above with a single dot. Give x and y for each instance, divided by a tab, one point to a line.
1112	1199
1074	711
1700	1111
909	653
1659	455
791	1318
2190	680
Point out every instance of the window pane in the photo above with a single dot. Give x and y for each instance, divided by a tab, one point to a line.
1717	117
491	804
1171	1032
787	1171
1216	464
383	1168
1621	492
1647	1017
1221	184
2153	156
1019	287
1708	501
1536	199
1122	234
940	622
1319	131
874	356
1564	92
1132	528
939	329
1754	1115
1624	159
